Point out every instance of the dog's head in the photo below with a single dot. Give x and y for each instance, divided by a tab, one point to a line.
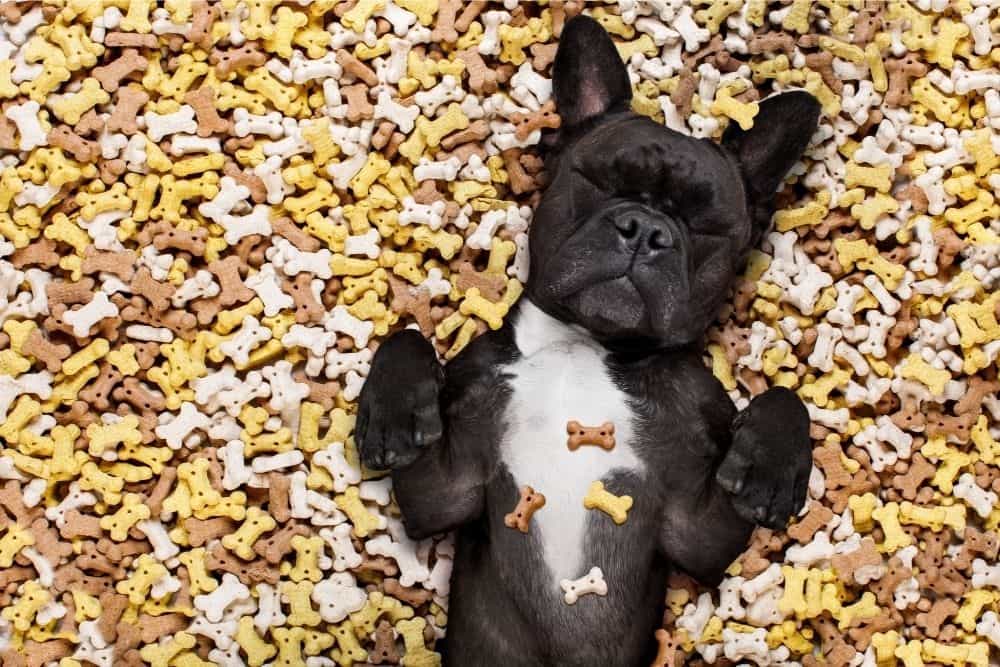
643	229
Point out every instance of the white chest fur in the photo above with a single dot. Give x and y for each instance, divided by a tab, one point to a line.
562	377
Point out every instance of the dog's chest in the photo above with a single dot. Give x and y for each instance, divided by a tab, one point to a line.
563	378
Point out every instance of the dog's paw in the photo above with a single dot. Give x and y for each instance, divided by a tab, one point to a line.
766	469
399	414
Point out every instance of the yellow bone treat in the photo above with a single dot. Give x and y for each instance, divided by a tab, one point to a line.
616	507
256	523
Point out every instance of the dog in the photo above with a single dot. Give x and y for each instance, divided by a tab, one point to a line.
633	248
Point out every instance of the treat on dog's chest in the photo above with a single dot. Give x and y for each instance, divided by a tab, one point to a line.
602	436
616	507
591	583
531	501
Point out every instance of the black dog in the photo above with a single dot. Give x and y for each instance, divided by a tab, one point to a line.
633	249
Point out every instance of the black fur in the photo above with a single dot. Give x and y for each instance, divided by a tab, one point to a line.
637	241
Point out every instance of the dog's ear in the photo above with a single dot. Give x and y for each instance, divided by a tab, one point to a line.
588	76
768	150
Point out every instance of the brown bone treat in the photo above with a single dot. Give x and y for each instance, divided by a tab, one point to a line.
277	545
125	111
919	471
384	651
472	10
278	485
529	503
356	69
477	131
209	120
683	94
81	149
92	560
231	287
113	605
846	564
157	293
543	55
545	117
977	544
957	427
298	238
80	525
152	628
69	577
258	192
804	529
900	71
13	503
324	393
382	134
867	24
129	637
203	531
896	573
248	55
482	79
15	575
976	390
602	436
118	262
407	300
859	484
932	620
50	354
520	181
164	485
444	26
134	392
41	252
828	459
771	42
181	239
909	417
130	40
668	650
307	308
358	106
732	338
412	596
763	541
376	564
861	633
62	292
118	551
491	286
950	245
42	653
945	581
254	572
822	63
834	648
200	32
47	542
111	75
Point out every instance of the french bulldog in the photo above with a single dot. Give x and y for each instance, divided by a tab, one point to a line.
633	248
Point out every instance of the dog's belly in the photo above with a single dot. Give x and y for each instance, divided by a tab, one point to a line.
563	382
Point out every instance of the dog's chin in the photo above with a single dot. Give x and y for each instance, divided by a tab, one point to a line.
612	309
622	315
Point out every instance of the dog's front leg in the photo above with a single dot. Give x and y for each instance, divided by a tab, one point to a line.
401	427
712	507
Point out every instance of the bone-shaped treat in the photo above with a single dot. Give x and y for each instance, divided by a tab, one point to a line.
616	507
602	436
530	502
592	582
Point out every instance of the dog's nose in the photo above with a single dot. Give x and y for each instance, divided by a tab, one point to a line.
644	233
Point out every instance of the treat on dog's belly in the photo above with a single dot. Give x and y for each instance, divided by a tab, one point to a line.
616	507
562	377
602	436
531	501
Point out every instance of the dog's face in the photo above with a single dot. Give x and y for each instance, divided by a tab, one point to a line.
643	229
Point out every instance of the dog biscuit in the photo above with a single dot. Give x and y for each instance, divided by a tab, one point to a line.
529	503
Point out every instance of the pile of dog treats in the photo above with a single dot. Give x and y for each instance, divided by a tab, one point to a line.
212	211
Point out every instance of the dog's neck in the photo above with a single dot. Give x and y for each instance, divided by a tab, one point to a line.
535	329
